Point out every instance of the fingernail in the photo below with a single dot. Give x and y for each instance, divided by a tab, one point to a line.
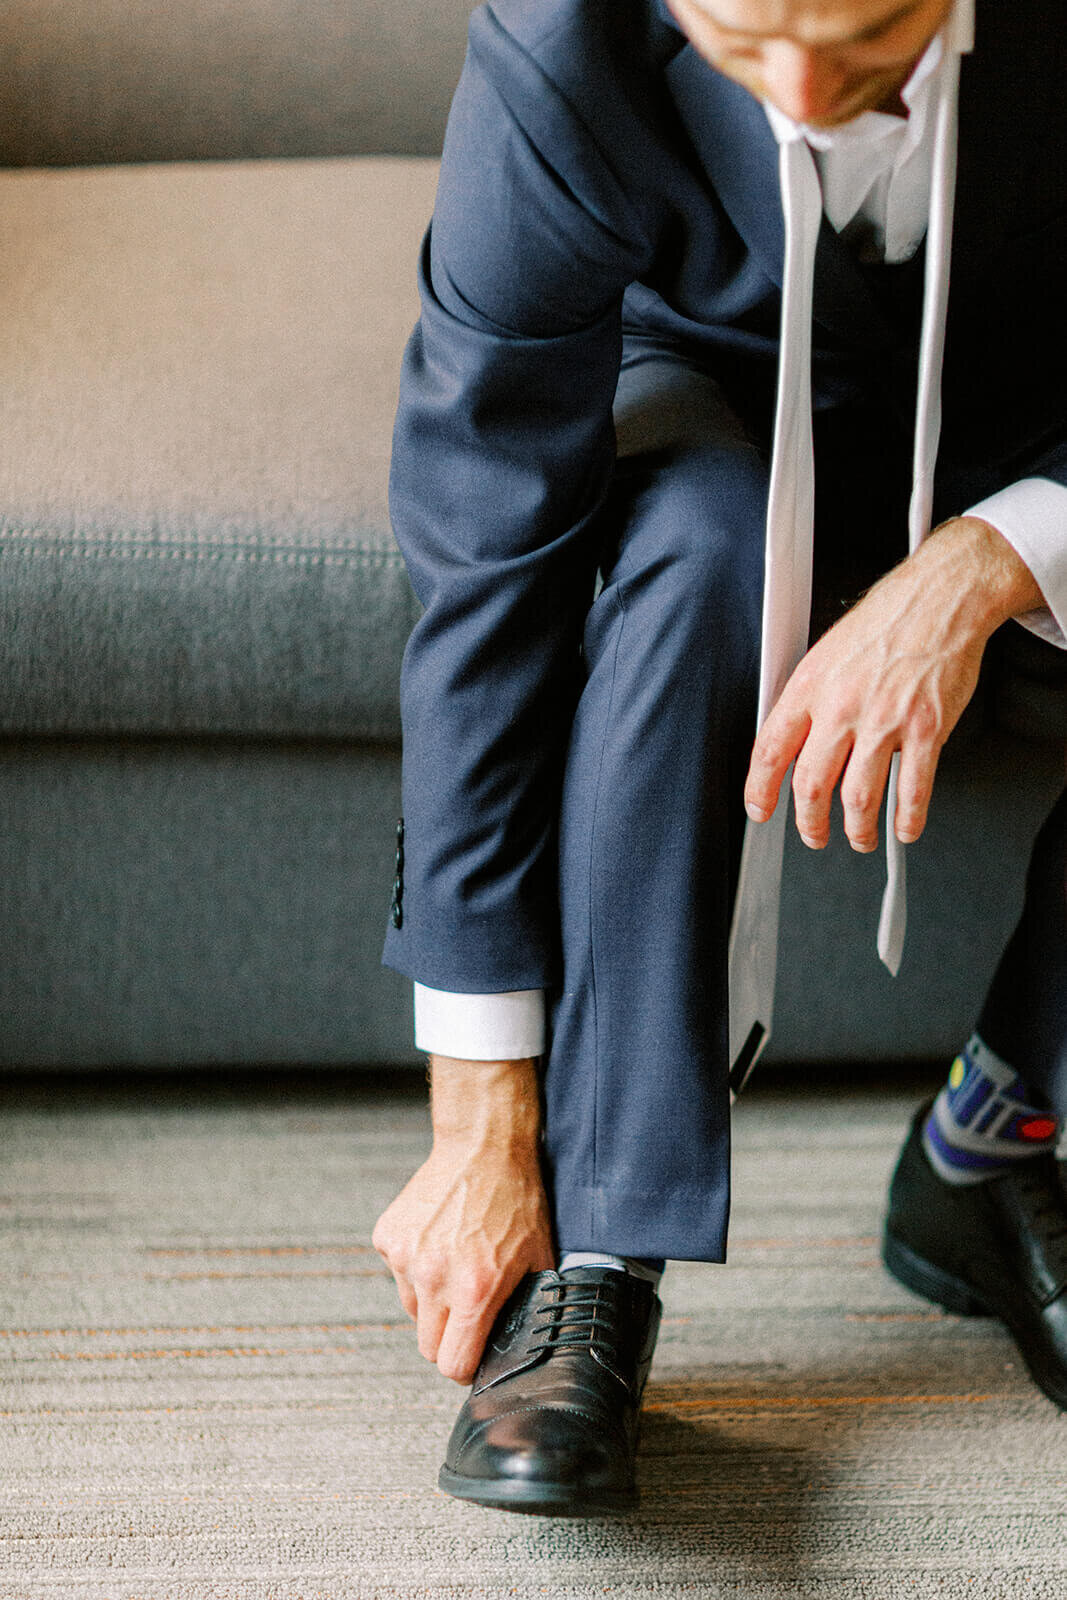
755	812
812	844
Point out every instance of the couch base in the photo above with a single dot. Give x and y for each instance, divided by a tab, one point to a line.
170	902
179	903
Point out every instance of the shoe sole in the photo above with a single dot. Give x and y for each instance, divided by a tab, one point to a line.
958	1296
545	1499
933	1283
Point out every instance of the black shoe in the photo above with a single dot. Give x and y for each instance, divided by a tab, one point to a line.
996	1248
551	1423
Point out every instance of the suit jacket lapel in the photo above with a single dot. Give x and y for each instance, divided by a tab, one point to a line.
737	149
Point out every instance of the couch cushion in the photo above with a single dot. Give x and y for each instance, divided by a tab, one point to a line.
198	374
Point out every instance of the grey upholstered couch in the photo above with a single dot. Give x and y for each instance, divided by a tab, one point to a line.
211	210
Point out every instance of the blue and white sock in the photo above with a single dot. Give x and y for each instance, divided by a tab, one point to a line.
984	1120
652	1271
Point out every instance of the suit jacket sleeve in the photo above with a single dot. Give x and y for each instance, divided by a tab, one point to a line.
503	449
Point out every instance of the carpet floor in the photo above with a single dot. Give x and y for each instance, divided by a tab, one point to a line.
209	1391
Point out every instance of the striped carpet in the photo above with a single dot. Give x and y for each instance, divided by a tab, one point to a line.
209	1392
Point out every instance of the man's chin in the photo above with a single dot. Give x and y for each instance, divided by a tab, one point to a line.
838	118
882	99
884	96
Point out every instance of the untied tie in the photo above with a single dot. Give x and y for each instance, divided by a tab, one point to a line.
753	954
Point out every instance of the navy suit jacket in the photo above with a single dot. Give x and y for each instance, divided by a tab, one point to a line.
601	181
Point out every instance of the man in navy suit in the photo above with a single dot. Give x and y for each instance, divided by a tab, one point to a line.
586	433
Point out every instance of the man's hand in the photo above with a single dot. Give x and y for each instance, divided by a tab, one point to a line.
894	674
474	1219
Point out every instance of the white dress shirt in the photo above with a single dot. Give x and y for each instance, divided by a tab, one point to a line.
875	177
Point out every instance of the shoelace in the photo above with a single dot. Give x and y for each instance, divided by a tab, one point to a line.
582	1315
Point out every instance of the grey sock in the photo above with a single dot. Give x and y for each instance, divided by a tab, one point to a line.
601	1258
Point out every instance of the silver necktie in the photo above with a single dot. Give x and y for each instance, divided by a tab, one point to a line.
753	956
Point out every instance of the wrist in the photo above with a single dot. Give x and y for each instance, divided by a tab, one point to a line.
994	582
480	1104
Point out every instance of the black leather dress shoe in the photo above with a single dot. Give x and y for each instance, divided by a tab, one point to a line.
551	1422
996	1248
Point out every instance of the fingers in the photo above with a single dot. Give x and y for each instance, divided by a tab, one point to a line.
815	776
451	1336
408	1298
915	784
832	745
463	1340
390	1247
431	1325
453	1327
476	1298
777	743
862	788
862	785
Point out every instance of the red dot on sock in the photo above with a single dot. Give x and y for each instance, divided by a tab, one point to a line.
1037	1128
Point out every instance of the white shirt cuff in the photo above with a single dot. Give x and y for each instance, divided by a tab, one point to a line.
480	1027
1032	516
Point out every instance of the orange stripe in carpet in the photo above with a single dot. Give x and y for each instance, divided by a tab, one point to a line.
261	1250
857	1240
804	1402
176	1328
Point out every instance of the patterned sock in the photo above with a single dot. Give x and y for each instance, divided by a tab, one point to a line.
984	1119
650	1270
